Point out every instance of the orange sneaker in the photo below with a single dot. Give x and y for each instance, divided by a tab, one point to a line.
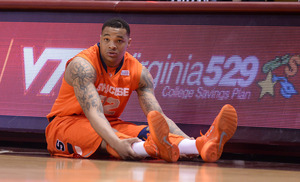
151	147
210	146
159	132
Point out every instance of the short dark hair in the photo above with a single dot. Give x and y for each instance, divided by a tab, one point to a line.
117	23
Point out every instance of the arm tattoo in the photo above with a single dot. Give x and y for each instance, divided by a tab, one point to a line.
149	103
146	81
82	76
146	93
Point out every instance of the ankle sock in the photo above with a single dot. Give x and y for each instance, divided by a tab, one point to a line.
138	147
187	146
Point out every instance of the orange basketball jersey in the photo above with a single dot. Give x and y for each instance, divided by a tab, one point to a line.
114	89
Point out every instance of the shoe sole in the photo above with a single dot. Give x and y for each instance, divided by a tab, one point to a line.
225	125
167	151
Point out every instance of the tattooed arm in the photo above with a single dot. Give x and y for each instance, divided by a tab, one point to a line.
149	103
81	75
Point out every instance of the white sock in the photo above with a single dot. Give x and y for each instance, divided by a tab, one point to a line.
138	147
187	146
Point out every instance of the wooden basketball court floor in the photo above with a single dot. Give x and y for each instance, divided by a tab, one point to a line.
38	166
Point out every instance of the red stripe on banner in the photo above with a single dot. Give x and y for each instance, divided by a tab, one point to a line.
6	58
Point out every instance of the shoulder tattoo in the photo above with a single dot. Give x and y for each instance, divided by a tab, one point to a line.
83	76
146	81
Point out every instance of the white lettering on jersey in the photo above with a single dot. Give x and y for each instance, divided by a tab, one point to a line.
117	91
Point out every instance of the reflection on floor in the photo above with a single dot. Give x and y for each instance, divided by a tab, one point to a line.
37	165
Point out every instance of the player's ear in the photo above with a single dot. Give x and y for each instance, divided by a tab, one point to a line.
129	41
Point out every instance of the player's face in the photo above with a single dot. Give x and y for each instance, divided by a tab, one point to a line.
113	45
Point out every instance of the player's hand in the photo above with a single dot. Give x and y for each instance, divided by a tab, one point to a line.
125	151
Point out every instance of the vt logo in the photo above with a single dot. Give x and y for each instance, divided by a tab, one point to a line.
32	68
287	89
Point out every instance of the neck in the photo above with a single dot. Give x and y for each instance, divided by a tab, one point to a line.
112	65
108	65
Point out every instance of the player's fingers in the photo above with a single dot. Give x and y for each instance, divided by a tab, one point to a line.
133	140
133	155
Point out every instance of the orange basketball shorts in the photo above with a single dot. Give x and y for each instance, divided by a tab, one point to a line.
73	136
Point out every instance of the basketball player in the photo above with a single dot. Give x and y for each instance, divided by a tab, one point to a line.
95	89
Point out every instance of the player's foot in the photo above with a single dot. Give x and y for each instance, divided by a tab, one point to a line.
210	146
151	147
159	137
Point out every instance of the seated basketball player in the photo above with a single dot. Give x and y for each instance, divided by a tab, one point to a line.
95	89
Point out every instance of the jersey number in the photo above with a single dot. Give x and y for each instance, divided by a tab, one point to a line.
60	145
109	104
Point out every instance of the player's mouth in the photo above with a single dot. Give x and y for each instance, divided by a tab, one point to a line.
112	54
